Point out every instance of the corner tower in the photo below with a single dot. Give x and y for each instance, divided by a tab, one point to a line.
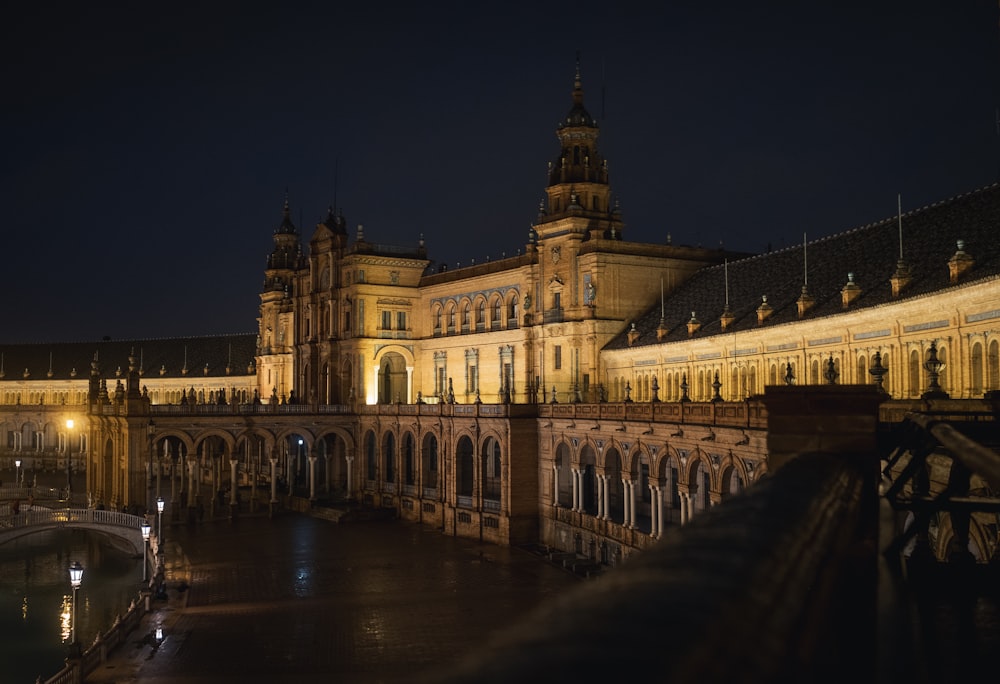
276	325
578	193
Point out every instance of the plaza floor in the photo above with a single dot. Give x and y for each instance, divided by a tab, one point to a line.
295	598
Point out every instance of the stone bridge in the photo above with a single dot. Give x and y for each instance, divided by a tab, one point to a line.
114	524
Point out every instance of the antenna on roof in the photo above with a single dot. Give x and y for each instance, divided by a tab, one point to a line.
661	298
805	262
899	218
726	273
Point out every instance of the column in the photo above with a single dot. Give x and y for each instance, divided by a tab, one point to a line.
373	388
409	384
350	467
190	489
601	496
159	472
653	520
626	508
658	501
631	503
555	486
575	474
173	488
274	481
233	462
312	477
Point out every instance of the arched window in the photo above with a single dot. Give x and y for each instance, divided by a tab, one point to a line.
390	457
370	463
977	369
491	470
409	469
497	310
464	469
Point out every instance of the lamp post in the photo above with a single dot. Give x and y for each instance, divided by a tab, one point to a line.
17	473
75	578
159	522
69	461
145	542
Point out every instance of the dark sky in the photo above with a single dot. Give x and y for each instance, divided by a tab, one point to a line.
147	148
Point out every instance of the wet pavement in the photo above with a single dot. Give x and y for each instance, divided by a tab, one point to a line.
296	598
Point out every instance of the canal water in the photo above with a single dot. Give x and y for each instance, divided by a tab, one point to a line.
36	616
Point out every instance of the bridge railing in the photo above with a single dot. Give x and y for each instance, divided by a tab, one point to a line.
47	516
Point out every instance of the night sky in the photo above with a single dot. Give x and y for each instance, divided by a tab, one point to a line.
148	148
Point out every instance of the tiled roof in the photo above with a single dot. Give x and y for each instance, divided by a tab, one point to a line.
871	253
236	351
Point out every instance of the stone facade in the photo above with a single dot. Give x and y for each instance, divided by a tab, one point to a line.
585	392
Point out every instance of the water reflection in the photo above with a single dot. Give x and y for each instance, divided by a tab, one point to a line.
36	600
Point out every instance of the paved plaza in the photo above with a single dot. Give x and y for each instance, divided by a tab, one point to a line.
300	599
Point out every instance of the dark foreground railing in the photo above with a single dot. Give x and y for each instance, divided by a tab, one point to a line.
802	578
775	585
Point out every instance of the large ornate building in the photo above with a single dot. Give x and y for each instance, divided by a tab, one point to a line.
586	392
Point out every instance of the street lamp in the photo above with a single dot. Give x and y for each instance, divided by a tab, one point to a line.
17	473
75	578
159	521
69	461
145	541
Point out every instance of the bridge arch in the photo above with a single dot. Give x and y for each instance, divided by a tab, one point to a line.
113	524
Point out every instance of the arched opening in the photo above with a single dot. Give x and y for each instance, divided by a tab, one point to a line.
464	475
389	461
409	475
429	465
564	477
371	460
643	497
392	379
491	474
977	360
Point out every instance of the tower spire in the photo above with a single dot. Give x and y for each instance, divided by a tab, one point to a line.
578	188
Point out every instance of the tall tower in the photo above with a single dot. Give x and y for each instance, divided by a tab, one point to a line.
578	193
276	325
